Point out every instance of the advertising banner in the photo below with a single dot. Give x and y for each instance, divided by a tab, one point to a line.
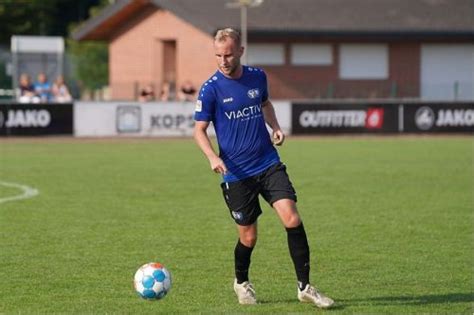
130	119
36	119
327	118
439	117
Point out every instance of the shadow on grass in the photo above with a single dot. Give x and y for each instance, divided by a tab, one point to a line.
414	300
337	306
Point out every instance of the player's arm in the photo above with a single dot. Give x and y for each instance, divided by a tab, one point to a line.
204	143
271	119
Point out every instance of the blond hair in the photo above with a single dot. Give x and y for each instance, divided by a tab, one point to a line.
223	34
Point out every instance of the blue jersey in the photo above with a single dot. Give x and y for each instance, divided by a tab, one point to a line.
234	106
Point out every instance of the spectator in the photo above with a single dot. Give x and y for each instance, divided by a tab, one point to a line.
147	94
187	92
26	90
60	91
43	88
168	91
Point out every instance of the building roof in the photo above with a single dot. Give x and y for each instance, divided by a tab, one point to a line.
453	18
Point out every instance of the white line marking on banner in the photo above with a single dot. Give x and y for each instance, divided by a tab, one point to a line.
26	192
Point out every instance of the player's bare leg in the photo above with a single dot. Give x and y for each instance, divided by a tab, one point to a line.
248	234
287	212
299	252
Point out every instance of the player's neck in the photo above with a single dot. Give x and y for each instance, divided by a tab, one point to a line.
236	74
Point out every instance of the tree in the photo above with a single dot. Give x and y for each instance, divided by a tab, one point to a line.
91	65
41	17
90	59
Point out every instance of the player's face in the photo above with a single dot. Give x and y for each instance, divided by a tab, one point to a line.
228	57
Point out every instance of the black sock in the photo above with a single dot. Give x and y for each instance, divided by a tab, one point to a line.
299	252
242	255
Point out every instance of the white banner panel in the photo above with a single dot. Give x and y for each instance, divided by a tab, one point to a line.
94	119
165	119
37	44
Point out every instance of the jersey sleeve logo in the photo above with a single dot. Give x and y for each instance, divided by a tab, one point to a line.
253	93
198	106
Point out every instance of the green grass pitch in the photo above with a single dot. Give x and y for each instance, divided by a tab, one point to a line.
389	221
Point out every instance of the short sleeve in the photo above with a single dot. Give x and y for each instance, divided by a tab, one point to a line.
205	104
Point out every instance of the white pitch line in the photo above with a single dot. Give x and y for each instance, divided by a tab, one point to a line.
26	192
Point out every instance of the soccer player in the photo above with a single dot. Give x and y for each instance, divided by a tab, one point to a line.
235	99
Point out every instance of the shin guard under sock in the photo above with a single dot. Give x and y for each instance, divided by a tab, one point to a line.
299	252
242	255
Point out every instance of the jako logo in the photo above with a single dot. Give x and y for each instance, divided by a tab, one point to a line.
424	118
28	118
253	93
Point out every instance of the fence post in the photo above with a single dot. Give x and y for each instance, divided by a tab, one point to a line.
330	91
135	90
456	90
393	90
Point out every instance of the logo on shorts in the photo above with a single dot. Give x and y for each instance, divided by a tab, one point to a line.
237	215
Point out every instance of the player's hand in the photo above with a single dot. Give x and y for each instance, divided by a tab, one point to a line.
218	166
278	137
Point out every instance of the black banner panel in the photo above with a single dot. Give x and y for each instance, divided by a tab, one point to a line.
439	117
36	119
317	118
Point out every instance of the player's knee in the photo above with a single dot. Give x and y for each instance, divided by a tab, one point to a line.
248	240
292	221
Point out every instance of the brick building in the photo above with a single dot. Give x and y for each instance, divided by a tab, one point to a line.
309	48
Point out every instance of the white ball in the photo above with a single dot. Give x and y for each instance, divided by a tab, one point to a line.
152	281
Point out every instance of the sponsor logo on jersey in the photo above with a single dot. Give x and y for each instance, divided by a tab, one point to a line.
246	112
227	100
253	93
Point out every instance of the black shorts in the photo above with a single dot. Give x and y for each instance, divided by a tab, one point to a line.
242	196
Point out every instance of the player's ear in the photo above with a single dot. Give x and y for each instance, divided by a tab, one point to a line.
241	50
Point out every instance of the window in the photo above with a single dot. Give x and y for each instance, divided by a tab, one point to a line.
363	61
311	54
265	54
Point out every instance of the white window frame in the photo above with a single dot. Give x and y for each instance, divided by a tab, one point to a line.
363	61
311	54
272	54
